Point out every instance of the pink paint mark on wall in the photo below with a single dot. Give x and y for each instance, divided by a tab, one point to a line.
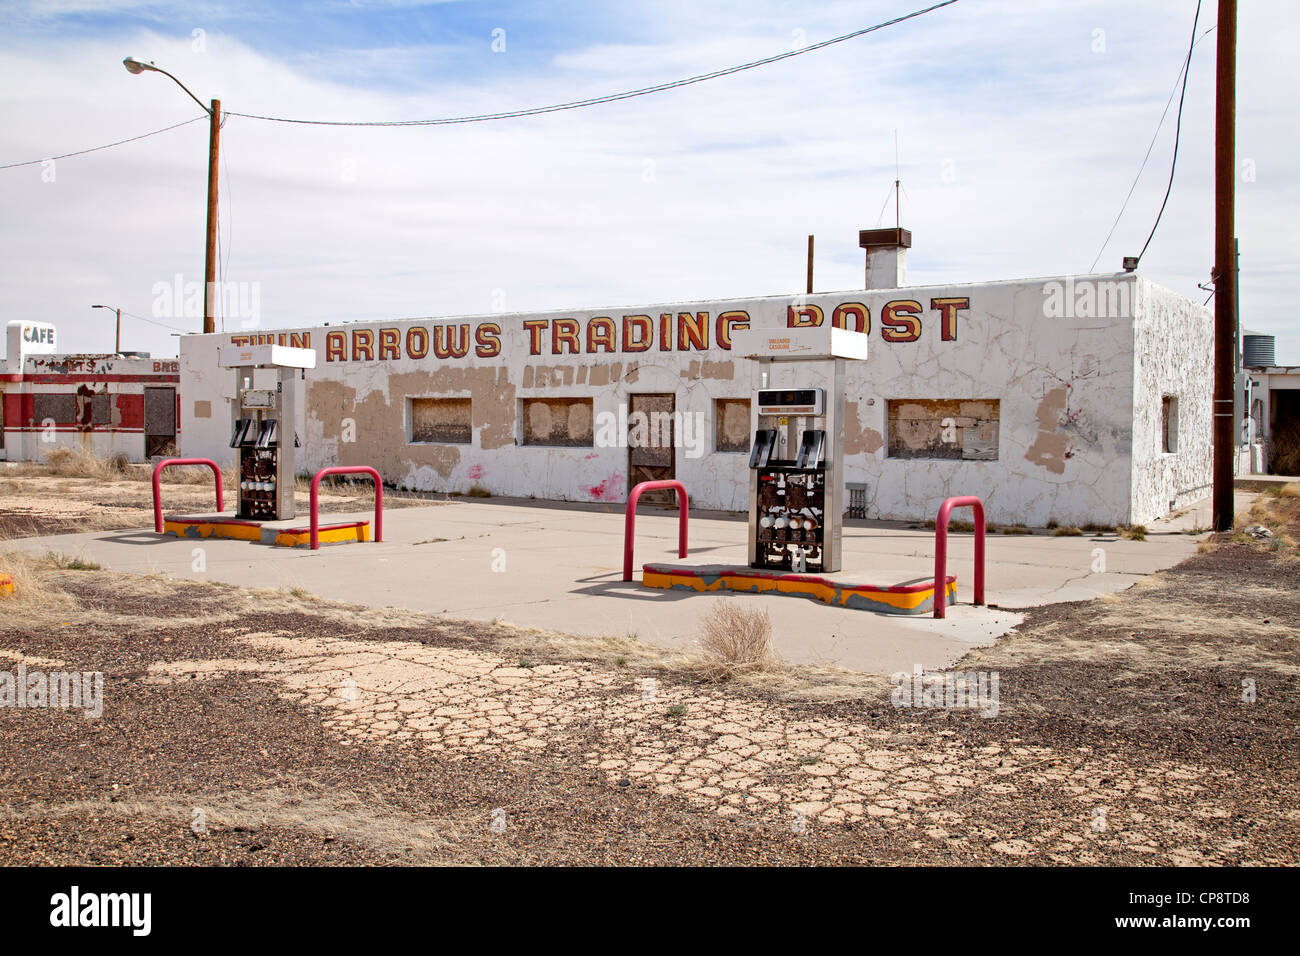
594	454
474	471
611	489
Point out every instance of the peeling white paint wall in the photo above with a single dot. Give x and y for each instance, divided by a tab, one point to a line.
1060	355
122	380
1174	345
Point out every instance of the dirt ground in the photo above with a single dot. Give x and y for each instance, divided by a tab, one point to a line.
1156	726
34	504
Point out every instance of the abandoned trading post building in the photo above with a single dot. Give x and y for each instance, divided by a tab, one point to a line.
1074	399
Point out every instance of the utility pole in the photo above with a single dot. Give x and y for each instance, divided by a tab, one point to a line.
117	338
135	66
810	264
210	260
1225	272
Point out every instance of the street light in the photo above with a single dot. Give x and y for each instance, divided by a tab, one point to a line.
117	344
136	66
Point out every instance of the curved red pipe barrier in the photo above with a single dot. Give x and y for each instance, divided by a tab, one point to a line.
157	489
629	519
346	470
941	551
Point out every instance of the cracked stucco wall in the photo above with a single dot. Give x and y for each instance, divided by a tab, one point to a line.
1064	377
1174	345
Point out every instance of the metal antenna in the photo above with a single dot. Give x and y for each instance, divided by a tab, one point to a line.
898	215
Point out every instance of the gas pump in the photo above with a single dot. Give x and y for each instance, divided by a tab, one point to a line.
262	426
796	462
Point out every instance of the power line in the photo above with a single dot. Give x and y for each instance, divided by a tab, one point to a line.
120	142
1178	130
1181	77
512	114
610	97
154	322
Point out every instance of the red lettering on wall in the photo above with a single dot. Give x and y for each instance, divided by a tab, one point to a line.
899	322
727	322
534	327
948	309
692	331
488	339
363	345
641	322
450	341
856	311
803	317
565	331
335	344
417	342
300	340
390	344
600	331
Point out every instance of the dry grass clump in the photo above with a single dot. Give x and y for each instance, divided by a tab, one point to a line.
36	593
1134	532
73	463
65	462
1069	531
736	639
1279	511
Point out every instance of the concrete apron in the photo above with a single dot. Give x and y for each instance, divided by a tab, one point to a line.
559	567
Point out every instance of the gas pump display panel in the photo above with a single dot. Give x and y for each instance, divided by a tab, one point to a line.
791	522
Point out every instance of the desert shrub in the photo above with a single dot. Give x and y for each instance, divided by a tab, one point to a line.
735	638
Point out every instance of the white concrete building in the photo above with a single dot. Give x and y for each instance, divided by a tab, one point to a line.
1074	399
1270	432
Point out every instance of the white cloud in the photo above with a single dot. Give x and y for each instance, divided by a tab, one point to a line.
1017	145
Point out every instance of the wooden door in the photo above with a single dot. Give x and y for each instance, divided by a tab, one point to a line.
651	450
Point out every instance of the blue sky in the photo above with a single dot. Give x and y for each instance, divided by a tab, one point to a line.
1020	128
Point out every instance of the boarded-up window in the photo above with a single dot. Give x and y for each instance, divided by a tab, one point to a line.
944	428
61	408
1169	424
558	421
101	410
442	421
732	417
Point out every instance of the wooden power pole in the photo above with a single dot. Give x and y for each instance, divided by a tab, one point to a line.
210	259
810	264
1225	266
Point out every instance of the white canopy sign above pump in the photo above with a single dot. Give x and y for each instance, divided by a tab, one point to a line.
803	344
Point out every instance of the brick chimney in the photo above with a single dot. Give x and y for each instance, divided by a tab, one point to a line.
886	256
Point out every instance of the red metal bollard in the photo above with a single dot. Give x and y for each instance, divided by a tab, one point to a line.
941	551
629	519
346	470
157	489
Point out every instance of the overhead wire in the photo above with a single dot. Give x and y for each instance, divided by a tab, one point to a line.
609	97
1180	78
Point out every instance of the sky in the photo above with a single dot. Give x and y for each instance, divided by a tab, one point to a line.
1017	129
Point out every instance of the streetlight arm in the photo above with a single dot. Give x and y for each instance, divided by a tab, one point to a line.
158	69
